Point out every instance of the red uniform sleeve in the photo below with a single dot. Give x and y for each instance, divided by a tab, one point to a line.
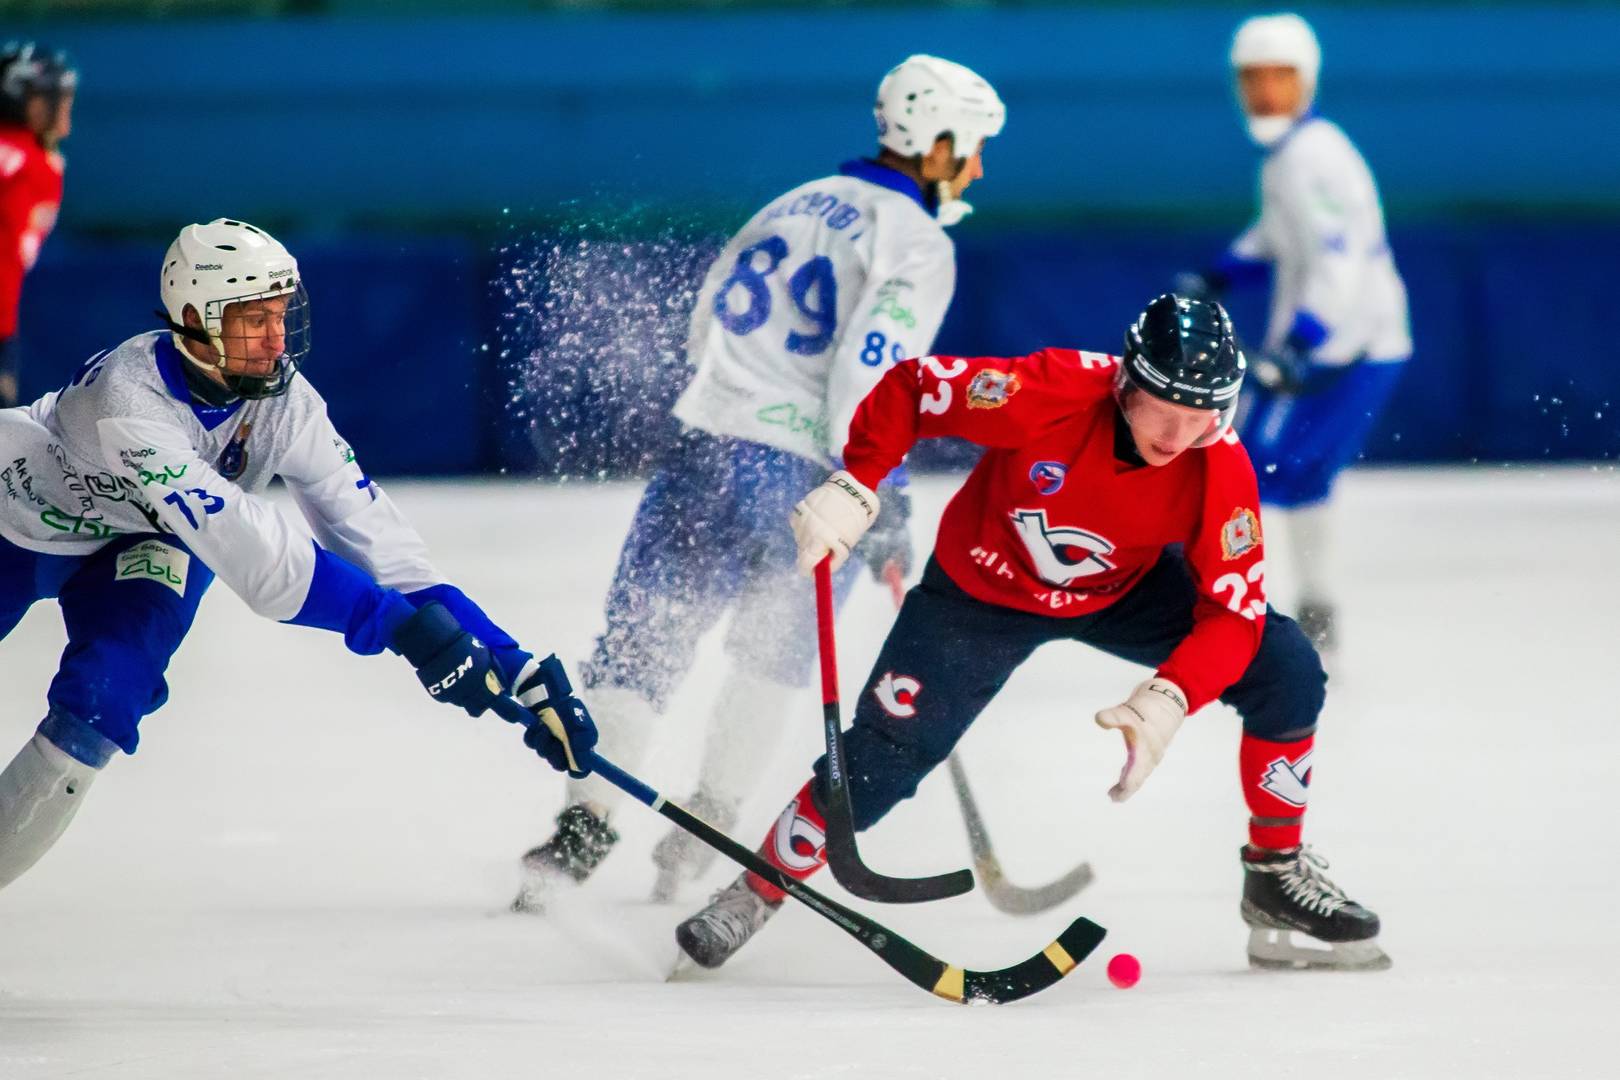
1227	557
994	401
15	203
30	193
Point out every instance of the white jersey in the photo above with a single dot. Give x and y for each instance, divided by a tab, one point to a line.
810	304
123	449
1321	226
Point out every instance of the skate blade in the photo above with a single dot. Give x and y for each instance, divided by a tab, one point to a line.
683	969
1275	950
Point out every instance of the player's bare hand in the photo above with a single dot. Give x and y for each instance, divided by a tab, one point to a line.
832	519
1148	719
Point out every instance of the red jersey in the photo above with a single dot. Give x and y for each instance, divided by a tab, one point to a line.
30	195
1051	521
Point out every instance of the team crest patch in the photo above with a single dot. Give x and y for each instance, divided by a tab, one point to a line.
153	560
992	389
233	460
1241	534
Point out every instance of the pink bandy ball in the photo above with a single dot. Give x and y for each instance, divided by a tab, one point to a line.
1123	970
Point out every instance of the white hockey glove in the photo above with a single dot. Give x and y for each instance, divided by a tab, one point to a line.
1148	719
832	519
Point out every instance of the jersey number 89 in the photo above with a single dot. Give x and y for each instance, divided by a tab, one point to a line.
813	289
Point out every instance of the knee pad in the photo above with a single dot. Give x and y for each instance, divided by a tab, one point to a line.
40	791
1281	695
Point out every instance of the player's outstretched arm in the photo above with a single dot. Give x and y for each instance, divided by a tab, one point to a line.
353	517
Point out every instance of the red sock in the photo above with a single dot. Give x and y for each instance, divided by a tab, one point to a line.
796	844
1276	778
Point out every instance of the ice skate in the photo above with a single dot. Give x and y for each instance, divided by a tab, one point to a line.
733	916
1319	621
582	840
682	857
1285	893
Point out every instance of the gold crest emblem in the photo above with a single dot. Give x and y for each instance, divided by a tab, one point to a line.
991	389
1241	534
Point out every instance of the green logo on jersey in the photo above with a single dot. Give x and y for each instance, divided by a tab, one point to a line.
786	414
168	474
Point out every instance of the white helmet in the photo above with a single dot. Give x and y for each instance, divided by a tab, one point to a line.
1283	40
925	97
224	262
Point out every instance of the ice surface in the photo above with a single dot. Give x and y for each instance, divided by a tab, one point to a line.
303	874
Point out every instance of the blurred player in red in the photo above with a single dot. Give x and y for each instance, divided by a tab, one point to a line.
1113	506
36	114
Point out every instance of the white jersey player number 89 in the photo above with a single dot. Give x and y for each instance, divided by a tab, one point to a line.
813	288
1240	601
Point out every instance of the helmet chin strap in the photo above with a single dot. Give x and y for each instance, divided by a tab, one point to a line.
215	393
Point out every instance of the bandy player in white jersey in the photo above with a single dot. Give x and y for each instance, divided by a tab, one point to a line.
123	494
800	315
1338	336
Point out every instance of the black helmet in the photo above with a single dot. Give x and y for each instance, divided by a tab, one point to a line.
1185	352
27	69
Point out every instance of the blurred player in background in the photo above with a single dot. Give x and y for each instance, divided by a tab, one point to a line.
36	114
1113	506
1338	333
800	315
125	492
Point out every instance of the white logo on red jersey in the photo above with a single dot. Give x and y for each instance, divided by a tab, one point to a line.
898	695
1289	780
1054	550
797	841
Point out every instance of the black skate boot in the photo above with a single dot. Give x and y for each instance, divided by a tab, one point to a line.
682	857
734	915
1286	892
582	840
1317	618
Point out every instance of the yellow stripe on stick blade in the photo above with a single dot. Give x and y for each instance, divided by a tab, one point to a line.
950	983
1060	958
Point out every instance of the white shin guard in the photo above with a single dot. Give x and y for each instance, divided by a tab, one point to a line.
1310	542
624	723
743	736
40	791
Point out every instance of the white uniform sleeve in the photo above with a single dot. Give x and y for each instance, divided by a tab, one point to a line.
906	295
242	538
349	514
1318	202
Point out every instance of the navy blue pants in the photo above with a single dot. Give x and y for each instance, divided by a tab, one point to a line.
711	534
127	607
949	654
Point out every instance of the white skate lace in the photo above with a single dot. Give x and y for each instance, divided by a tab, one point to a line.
734	913
1305	884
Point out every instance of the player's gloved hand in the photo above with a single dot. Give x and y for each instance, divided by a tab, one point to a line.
1148	719
1282	371
563	732
455	667
889	539
832	519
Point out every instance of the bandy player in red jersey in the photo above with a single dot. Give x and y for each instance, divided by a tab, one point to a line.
1113	506
36	110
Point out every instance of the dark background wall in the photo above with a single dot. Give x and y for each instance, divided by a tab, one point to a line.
501	217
